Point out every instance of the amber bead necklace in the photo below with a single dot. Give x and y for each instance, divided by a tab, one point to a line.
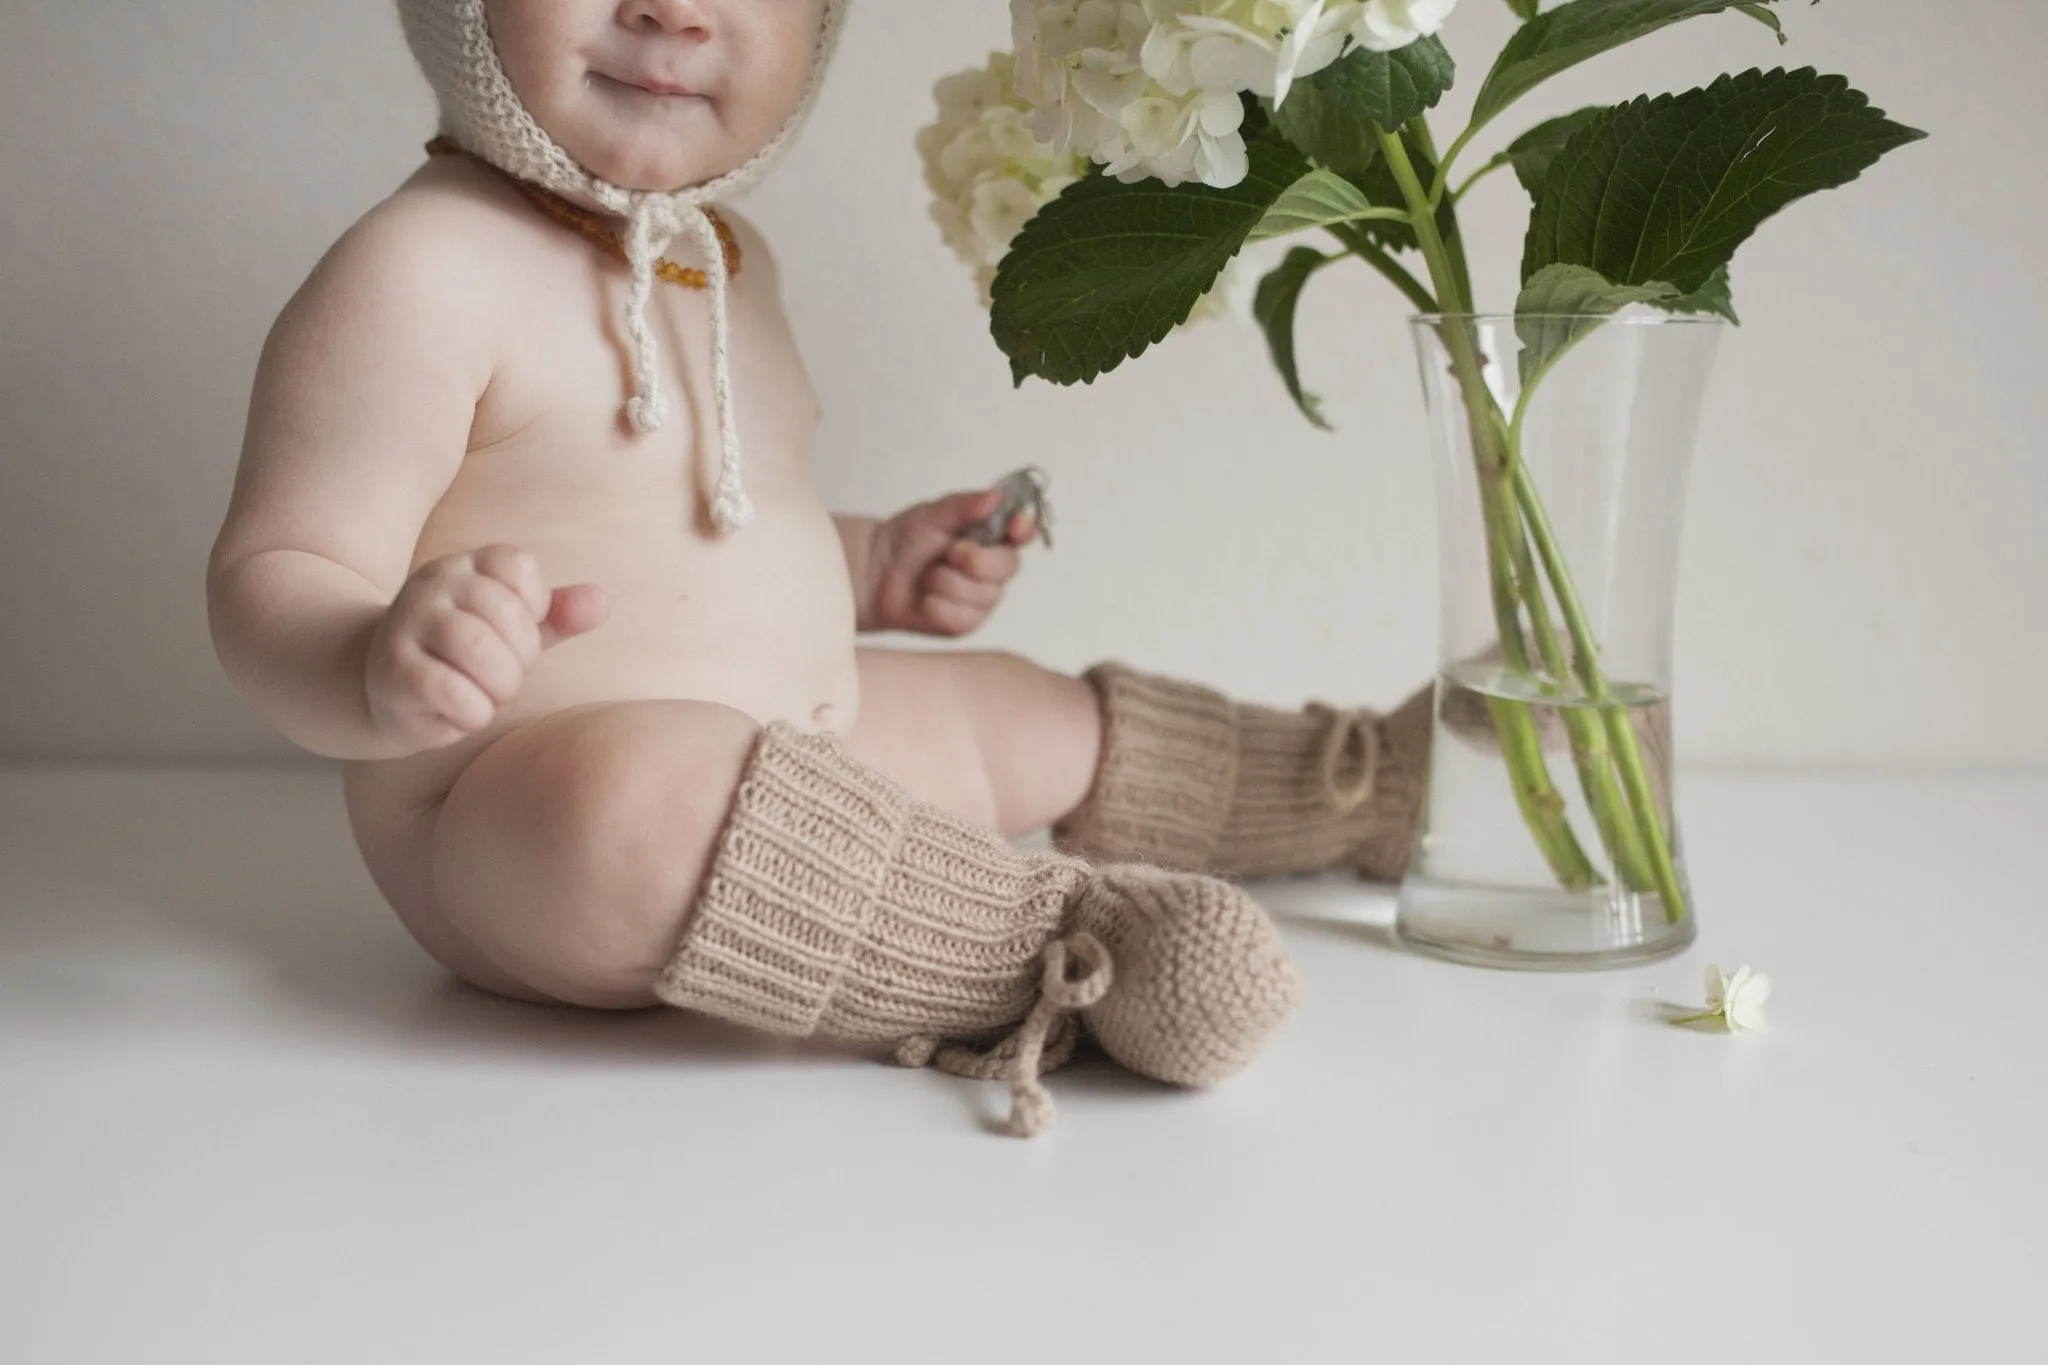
593	226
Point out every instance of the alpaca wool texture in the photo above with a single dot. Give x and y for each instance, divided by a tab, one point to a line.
836	904
1190	778
479	109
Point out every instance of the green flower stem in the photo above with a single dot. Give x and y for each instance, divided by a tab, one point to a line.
1621	828
1616	718
1459	193
1542	807
1443	165
1362	246
1590	752
1452	237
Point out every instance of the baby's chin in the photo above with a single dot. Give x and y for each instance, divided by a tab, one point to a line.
663	171
674	149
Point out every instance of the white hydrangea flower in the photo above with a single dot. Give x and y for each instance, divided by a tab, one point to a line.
989	174
1227	46
1385	25
1738	1000
1149	88
1077	68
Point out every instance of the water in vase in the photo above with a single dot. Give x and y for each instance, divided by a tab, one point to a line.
1480	887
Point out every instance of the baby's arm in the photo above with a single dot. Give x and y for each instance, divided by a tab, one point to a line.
360	417
921	571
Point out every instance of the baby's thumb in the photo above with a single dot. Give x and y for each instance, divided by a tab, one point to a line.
964	510
572	611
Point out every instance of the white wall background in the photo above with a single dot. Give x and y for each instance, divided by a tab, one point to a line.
1867	529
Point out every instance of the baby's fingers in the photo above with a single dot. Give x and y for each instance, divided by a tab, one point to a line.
954	604
446	694
518	570
945	581
505	611
476	651
995	564
948	616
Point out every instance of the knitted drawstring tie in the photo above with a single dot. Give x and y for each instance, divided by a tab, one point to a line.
1044	1041
1360	727
651	222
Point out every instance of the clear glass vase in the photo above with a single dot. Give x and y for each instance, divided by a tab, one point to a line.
1549	836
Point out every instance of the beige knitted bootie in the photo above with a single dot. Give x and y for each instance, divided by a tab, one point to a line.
837	904
1190	779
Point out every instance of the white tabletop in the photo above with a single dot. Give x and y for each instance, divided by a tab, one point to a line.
244	1119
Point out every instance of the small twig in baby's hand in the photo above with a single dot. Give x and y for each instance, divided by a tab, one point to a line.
1023	491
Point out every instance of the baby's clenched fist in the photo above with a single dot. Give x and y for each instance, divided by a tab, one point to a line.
457	641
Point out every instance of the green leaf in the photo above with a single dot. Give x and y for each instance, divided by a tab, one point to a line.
1324	132
1525	10
1274	307
1667	188
1532	152
1767	19
1107	269
1711	297
1329	115
1319	199
1324	129
1562	303
1569	35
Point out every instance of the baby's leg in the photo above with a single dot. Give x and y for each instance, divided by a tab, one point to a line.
613	810
628	853
990	737
570	849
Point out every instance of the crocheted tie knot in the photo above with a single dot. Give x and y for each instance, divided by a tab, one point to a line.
1045	1040
1360	729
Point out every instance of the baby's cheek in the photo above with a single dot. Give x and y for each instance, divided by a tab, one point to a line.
779	71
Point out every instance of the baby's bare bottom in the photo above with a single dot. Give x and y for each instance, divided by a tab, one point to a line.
569	852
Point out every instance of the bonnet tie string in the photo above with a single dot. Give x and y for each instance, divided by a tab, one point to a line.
652	222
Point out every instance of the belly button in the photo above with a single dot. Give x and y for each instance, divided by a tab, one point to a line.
823	715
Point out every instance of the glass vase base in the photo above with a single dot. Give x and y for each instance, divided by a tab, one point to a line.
1520	929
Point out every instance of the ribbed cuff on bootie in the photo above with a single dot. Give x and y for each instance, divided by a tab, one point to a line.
838	904
1189	778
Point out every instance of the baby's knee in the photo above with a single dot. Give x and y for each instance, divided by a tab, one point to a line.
573	857
620	775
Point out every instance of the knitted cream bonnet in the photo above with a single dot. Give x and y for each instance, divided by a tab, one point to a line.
479	110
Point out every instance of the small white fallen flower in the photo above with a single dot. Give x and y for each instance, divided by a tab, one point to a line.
1737	1001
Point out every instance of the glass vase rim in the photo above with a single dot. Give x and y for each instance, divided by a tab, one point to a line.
1647	319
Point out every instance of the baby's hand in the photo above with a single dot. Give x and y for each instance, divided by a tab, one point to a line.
457	641
927	577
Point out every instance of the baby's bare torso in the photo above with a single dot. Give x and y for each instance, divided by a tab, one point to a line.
760	619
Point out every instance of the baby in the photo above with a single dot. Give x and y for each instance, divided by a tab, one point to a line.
608	739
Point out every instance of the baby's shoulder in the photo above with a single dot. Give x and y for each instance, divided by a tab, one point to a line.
436	246
449	216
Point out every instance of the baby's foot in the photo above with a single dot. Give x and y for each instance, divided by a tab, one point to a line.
1190	778
1200	975
1180	977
